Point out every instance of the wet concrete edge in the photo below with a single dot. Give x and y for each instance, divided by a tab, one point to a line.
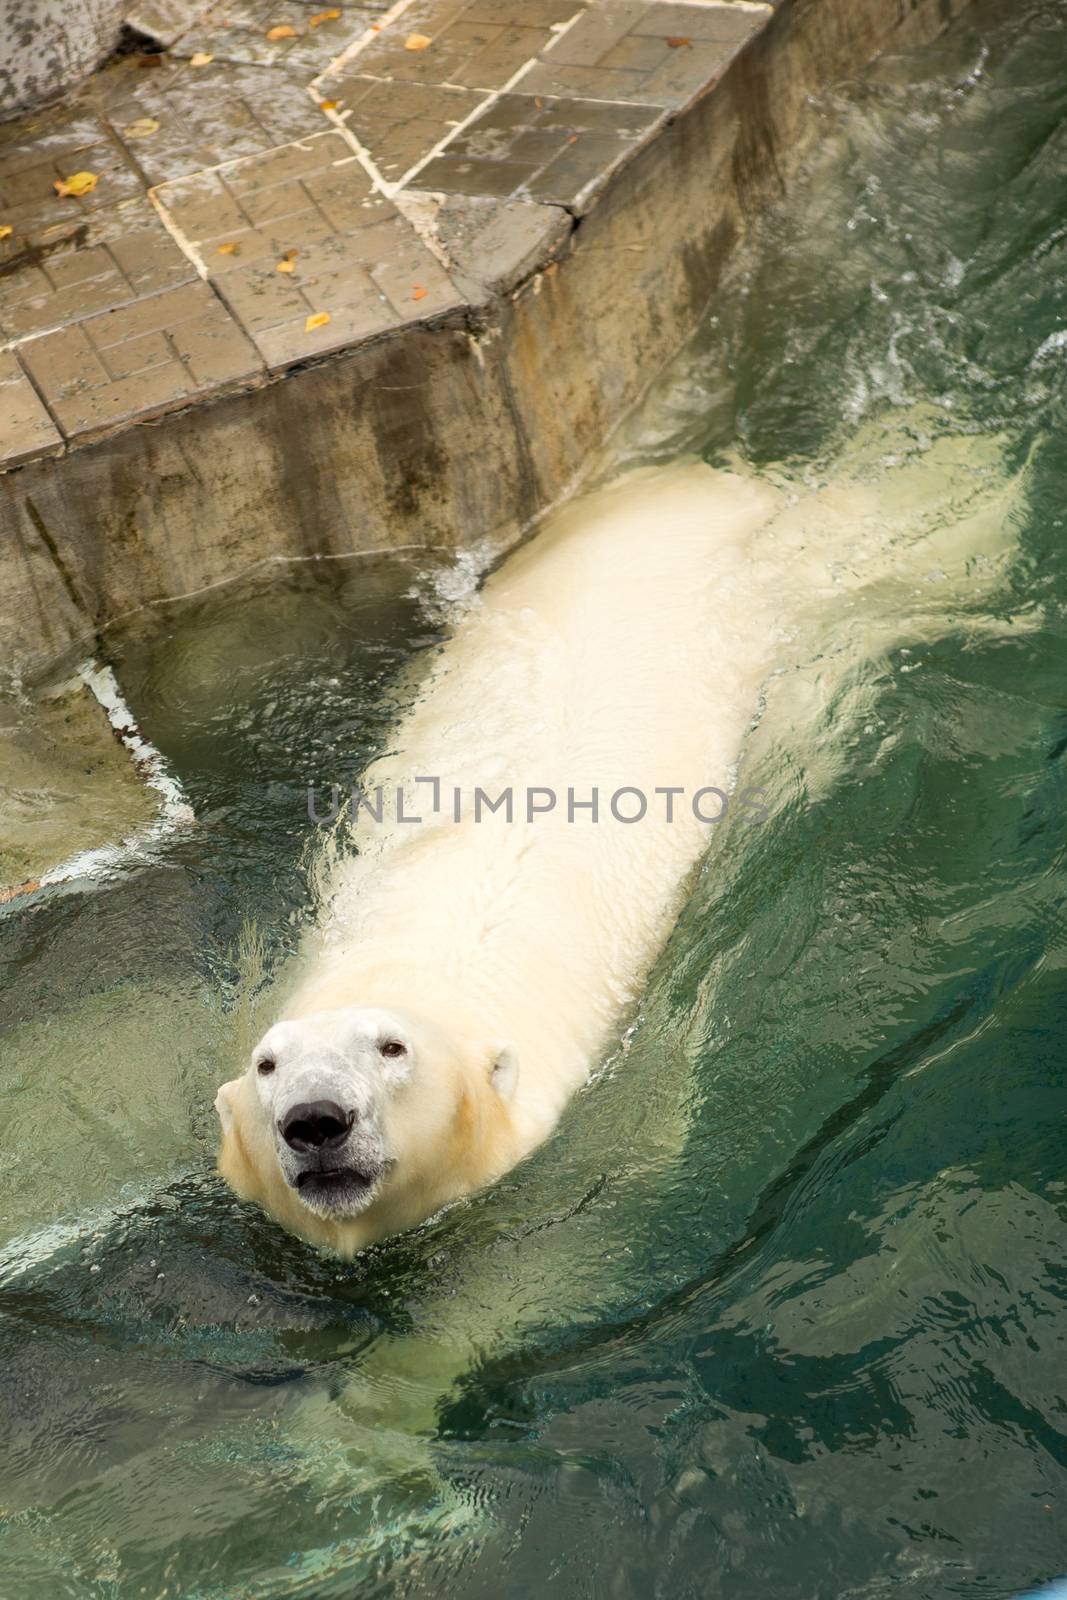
450	434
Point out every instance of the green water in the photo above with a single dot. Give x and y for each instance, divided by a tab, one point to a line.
780	1312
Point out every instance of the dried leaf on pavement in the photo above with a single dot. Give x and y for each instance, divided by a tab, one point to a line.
318	319
417	41
79	183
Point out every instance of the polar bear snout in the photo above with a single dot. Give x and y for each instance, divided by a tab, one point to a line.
316	1125
329	1144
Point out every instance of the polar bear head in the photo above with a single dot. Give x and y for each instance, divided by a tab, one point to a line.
350	1124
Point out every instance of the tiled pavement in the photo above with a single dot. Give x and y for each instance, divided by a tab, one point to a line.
263	188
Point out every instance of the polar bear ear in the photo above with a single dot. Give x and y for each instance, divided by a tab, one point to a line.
505	1071
224	1105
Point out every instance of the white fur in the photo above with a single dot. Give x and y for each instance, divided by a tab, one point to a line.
626	645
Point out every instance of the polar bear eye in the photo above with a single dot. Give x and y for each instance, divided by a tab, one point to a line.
265	1067
391	1048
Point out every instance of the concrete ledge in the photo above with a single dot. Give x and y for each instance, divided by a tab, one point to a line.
434	431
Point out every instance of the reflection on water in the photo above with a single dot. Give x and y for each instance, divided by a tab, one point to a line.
781	1309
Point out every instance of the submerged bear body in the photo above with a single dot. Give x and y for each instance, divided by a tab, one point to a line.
599	683
471	966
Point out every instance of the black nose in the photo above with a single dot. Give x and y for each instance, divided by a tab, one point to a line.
319	1125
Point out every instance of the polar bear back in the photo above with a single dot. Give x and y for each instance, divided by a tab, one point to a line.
621	648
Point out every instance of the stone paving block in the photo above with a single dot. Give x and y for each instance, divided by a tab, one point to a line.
64	273
491	246
399	124
136	355
549	148
291	182
57	134
145	253
412	280
164	21
654	53
78	266
28	430
204	114
92	376
593	34
48	307
63	361
532	13
342	202
700	19
237	32
478	45
290	342
55	145
352	253
261	298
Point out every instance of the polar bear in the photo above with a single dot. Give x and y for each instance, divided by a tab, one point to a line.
474	958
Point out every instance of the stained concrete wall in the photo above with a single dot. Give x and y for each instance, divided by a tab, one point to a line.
446	436
47	46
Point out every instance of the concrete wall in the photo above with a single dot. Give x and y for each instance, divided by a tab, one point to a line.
446	436
47	46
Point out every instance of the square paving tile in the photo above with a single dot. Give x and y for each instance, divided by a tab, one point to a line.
650	54
539	146
26	429
298	232
399	124
473	44
127	364
56	144
201	114
239	32
69	270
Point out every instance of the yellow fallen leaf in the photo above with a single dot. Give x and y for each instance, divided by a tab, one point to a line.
229	249
328	105
324	16
419	293
282	31
678	41
80	183
6	230
143	128
318	319
202	58
417	41
286	263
